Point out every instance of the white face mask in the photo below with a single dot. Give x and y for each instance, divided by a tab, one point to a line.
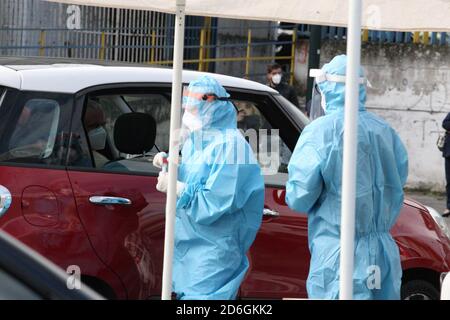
276	79
97	138
191	122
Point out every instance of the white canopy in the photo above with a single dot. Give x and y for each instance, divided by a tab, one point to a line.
396	15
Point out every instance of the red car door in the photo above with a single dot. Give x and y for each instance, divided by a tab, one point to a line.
32	167
33	126
116	195
35	146
279	257
123	217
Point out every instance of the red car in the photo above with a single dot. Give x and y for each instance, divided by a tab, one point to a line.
78	186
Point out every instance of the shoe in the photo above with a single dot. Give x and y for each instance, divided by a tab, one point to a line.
446	213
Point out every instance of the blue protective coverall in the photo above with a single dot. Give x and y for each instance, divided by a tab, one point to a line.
220	208
314	186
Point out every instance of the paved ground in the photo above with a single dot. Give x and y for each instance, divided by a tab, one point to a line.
434	200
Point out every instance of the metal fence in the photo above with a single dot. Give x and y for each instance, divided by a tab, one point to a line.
147	37
151	45
338	33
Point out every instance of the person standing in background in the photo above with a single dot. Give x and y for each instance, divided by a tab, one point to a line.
275	81
446	155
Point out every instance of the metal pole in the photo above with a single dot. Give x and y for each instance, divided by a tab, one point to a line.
207	26
247	58
42	43
152	50
201	52
102	46
117	39
365	36
315	39
426	38
350	150
416	37
293	49
175	114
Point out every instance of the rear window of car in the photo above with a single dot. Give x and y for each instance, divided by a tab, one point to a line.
35	127
2	95
35	132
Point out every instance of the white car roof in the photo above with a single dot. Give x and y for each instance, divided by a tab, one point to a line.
71	78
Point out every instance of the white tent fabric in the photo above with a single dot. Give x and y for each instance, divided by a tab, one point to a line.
395	15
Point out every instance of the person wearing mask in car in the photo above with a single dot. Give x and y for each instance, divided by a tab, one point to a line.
315	183
247	117
275	81
220	197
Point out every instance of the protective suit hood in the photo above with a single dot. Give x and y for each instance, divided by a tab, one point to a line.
212	114
334	92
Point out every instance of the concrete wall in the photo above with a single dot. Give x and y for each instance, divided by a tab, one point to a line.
411	91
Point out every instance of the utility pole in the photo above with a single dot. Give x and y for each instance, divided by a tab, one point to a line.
315	39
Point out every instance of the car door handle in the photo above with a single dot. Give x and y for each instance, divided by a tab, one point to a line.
102	200
270	213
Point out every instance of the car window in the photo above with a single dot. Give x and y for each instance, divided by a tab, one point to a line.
276	135
2	95
158	106
299	117
99	118
272	153
101	112
35	128
13	289
278	132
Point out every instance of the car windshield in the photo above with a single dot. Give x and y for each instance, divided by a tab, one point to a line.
300	119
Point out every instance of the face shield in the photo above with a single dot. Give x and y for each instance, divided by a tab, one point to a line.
318	105
196	107
318	101
193	102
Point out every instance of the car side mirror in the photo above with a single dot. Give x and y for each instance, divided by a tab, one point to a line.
135	133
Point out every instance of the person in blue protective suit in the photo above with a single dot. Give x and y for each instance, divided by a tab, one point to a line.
315	182
220	197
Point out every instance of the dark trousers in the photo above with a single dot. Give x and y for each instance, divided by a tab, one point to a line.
447	178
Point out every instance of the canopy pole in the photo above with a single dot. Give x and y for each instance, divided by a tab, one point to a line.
350	150
175	115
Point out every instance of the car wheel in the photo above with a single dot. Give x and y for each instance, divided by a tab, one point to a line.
419	290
